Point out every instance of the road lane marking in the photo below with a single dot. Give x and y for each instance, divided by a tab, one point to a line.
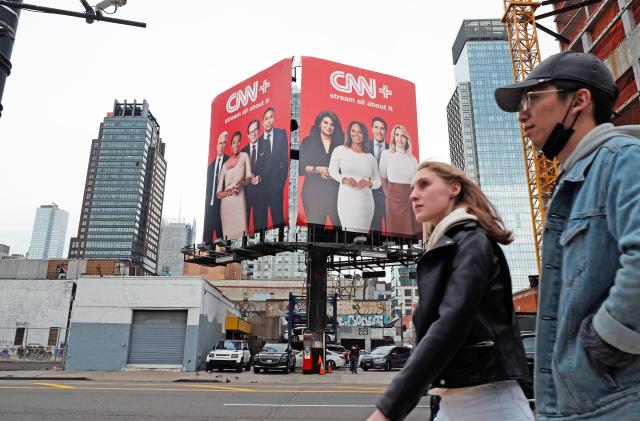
271	405
187	388
56	385
222	388
377	389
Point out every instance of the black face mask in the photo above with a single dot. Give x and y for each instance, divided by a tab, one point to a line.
559	136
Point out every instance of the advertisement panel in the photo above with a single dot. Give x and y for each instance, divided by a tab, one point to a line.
359	149
248	165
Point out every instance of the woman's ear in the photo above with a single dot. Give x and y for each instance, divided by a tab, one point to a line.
454	189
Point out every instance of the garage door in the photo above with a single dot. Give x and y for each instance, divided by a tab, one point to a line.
157	337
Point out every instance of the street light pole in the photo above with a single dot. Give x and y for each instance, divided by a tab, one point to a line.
8	26
10	13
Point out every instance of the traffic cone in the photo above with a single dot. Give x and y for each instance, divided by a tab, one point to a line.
321	365
329	368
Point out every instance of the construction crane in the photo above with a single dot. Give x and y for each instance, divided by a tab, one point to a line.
520	20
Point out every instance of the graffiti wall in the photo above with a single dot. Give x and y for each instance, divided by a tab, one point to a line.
32	344
363	313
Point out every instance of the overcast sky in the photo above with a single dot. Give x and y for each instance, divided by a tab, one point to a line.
67	74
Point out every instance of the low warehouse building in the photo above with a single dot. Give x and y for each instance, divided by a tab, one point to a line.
120	323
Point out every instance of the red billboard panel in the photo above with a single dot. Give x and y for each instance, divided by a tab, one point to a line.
248	165
359	149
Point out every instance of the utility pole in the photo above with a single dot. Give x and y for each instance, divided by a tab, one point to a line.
8	26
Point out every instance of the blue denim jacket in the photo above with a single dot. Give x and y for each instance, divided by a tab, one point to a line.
591	264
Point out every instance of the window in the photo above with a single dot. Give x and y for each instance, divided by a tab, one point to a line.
53	336
19	339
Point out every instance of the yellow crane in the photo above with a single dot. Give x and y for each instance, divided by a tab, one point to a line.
522	29
519	18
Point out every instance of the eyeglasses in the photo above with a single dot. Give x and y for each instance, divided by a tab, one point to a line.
528	98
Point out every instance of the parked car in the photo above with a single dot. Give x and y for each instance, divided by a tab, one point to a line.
274	356
339	349
529	342
334	359
386	357
229	354
363	352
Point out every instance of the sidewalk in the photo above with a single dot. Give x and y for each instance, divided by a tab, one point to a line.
341	376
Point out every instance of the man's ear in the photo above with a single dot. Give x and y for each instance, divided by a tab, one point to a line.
582	100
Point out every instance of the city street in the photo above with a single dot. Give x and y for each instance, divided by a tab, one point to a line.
244	397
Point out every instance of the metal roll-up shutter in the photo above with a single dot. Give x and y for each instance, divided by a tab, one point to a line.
157	337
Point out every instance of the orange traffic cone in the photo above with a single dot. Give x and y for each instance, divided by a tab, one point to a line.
321	365
329	367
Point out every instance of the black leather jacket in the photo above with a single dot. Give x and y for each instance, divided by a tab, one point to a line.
466	331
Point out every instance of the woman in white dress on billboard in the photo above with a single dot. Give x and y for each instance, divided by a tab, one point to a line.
234	175
397	168
356	170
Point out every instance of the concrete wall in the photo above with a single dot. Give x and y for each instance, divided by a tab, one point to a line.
215	309
23	269
36	305
103	312
258	290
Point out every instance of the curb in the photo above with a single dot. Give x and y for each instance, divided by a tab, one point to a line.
45	378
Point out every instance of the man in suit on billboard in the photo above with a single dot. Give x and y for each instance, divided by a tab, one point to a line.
377	145
276	174
212	222
260	157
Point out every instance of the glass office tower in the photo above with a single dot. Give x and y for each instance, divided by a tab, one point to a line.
49	232
175	234
124	191
486	142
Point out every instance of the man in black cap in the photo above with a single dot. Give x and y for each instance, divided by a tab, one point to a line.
588	328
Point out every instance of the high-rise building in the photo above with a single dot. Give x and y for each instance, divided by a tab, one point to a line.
609	30
287	265
404	290
4	250
124	190
175	234
486	142
49	232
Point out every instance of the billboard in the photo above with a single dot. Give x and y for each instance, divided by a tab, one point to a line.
359	149
248	163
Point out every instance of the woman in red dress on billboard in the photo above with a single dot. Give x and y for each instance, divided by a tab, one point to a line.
356	170
397	168
234	175
320	191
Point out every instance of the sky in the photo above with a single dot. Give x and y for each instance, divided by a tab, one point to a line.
67	74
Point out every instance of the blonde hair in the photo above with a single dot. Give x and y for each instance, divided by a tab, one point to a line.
473	199
392	140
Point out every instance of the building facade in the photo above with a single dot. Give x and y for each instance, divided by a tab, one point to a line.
175	234
49	232
609	30
404	290
4	250
124	190
486	142
33	318
120	323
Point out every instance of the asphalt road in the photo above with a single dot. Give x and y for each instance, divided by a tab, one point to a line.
59	400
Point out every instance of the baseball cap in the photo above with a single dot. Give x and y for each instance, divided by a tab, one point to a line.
567	65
